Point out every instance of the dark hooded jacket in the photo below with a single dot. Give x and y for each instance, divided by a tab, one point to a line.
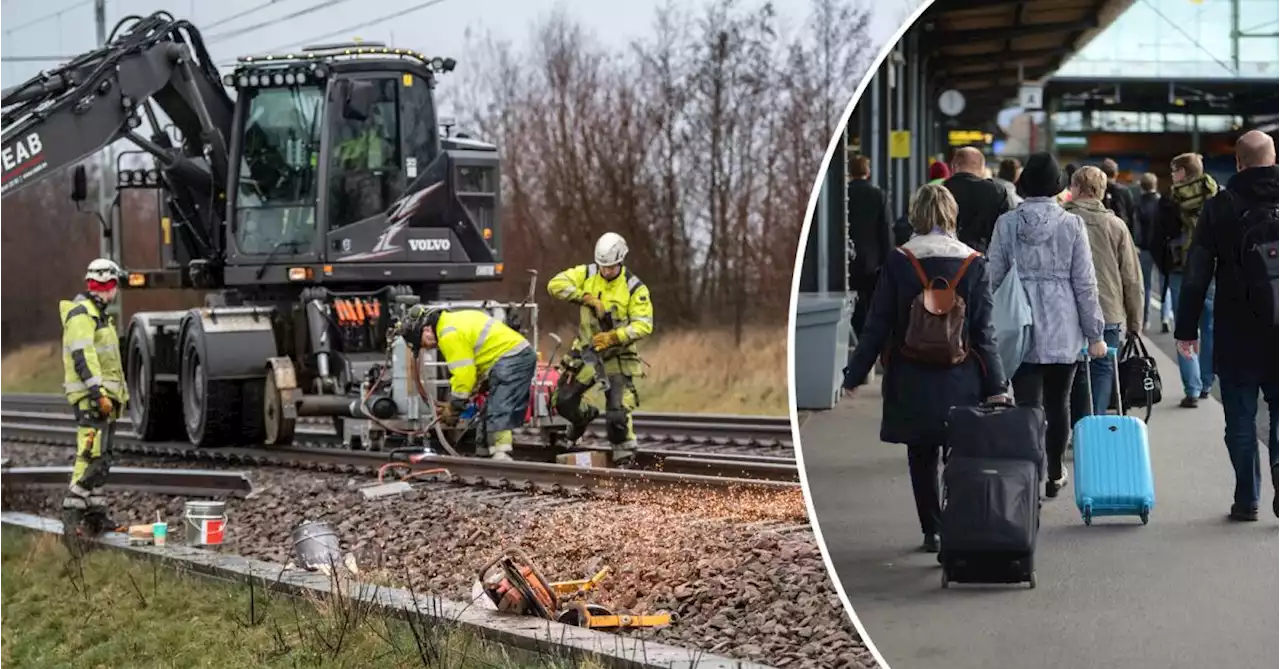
917	396
1244	349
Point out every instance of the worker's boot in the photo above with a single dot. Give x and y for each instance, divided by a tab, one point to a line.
624	454
579	427
502	446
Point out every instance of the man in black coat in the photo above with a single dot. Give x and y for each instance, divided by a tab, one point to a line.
1147	236
1118	198
981	201
870	234
1245	341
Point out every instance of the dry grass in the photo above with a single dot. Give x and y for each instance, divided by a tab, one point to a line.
36	368
688	372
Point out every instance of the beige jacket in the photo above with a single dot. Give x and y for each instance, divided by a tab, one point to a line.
1115	262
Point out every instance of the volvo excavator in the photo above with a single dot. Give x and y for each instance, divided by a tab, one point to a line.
312	196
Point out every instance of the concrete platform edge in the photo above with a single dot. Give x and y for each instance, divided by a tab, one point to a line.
528	633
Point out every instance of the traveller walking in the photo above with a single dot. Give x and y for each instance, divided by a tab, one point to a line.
1007	178
1051	250
1117	197
932	314
981	201
1115	264
870	233
1146	236
938	172
1235	245
1192	187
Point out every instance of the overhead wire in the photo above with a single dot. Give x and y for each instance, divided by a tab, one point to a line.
251	10
1195	42
222	37
46	17
364	24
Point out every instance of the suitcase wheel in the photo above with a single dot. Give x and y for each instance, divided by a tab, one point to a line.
1088	515
1146	517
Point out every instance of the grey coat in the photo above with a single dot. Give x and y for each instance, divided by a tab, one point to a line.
1056	268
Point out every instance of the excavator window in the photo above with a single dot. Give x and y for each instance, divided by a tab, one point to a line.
276	194
364	171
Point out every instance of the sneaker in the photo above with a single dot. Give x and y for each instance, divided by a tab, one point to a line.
1204	395
1275	487
1051	488
1243	514
1189	402
1164	327
930	544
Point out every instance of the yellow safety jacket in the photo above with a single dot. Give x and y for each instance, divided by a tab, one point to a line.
471	341
626	298
90	351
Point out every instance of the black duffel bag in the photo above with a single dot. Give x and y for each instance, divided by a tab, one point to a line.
1139	378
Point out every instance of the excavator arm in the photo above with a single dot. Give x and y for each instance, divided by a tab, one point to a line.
63	116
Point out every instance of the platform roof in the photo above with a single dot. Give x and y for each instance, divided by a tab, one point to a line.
1244	97
976	46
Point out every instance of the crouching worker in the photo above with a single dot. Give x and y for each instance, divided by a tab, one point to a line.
616	313
95	388
478	350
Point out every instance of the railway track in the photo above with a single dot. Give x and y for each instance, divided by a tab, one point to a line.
723	434
661	471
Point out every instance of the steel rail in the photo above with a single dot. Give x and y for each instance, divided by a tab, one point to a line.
676	461
695	429
179	482
531	476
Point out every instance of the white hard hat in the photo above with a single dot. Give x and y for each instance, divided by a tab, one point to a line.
611	249
103	270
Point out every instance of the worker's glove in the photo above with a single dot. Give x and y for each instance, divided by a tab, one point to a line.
604	340
593	302
447	415
100	406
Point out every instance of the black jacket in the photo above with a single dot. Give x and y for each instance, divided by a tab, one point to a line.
1120	200
1146	228
1244	349
981	201
870	231
917	397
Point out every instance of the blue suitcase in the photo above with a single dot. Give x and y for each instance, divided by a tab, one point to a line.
1112	464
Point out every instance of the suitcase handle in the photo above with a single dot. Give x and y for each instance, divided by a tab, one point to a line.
1113	353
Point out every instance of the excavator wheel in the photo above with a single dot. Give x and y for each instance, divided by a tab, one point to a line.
278	429
217	413
154	407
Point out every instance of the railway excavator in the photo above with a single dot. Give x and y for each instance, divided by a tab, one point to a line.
311	195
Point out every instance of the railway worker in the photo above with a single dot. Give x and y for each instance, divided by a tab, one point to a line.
95	387
479	350
615	314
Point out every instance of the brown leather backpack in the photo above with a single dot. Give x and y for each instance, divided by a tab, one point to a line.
936	324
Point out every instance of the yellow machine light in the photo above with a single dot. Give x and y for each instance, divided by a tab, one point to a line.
488	234
498	268
299	273
328	270
137	280
407	80
166	227
1179	102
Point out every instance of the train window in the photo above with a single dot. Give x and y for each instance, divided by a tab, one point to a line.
276	190
365	174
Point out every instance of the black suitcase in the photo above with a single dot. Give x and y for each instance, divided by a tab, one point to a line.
995	463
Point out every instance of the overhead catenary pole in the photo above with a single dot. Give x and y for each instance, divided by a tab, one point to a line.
107	246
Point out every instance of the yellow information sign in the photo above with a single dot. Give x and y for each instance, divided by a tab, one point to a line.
966	137
900	144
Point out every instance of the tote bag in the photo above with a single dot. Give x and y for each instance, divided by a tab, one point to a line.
1011	315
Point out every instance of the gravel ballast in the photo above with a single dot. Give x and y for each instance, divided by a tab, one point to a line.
743	572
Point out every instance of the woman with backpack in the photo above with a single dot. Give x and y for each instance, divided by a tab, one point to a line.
937	344
1050	248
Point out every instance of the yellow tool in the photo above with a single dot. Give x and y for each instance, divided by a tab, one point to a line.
516	586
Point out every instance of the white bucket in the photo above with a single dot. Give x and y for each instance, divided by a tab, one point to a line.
205	522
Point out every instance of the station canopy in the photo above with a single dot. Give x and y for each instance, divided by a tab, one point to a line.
976	46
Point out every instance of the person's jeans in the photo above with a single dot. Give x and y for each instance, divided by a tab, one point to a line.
922	464
1102	370
1240	404
1197	371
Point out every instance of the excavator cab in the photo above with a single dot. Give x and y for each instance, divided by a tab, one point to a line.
342	176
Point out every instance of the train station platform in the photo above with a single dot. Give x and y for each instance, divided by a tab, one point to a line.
1189	589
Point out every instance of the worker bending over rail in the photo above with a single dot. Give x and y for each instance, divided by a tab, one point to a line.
95	387
479	350
616	313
